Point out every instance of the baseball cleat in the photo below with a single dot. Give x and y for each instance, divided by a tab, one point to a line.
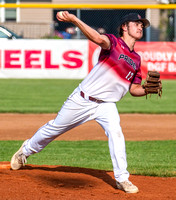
18	159
127	187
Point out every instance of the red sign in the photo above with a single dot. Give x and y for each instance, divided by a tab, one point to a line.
12	59
158	56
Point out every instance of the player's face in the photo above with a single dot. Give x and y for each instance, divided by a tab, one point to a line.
135	29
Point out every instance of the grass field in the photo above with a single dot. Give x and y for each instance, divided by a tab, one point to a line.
156	158
47	96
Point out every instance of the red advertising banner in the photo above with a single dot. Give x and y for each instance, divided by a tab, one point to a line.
75	58
44	59
159	56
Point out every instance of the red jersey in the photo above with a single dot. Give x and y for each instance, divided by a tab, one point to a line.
117	68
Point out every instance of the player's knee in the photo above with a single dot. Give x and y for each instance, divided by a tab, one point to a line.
115	132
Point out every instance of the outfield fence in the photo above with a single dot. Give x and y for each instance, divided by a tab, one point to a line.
72	58
39	20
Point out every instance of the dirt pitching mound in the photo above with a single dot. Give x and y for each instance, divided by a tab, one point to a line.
72	183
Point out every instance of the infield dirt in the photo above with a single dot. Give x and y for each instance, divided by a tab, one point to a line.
71	183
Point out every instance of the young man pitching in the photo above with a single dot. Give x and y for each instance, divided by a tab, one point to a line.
117	72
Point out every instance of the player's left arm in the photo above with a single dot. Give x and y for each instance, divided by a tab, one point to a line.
137	90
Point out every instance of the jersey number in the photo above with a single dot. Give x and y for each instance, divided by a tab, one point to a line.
129	75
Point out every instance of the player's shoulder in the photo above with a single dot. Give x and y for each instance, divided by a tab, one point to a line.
112	38
137	55
110	35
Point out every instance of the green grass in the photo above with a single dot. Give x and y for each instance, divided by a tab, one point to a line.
153	104
47	96
34	95
152	158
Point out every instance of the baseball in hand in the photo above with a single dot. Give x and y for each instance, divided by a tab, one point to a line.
60	14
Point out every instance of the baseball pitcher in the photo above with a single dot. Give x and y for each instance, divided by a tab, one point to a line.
117	72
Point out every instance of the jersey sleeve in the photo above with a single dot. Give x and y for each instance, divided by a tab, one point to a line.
138	77
113	40
105	52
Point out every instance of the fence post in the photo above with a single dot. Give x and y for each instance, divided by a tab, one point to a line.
2	12
174	25
18	12
78	13
148	30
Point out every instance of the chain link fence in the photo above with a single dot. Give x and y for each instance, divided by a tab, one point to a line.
163	23
107	21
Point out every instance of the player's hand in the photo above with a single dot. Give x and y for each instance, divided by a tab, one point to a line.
65	16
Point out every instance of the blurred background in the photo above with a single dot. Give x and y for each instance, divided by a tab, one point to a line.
37	23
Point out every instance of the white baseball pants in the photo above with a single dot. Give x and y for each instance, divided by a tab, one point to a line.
75	111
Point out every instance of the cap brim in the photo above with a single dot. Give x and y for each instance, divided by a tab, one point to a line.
145	22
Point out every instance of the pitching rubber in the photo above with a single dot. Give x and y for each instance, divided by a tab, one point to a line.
5	165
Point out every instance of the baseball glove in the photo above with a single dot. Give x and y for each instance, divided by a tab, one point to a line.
152	84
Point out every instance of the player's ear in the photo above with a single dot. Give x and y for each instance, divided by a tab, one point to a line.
124	27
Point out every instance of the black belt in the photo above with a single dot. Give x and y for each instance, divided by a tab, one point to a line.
91	98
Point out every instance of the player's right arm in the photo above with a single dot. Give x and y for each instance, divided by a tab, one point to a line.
101	40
